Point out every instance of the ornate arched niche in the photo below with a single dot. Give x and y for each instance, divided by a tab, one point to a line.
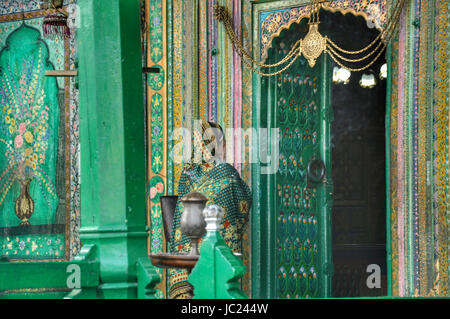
276	16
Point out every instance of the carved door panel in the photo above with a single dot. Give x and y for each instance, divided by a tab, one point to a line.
298	201
301	187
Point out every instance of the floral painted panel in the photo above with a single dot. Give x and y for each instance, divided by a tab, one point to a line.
155	12
39	148
29	130
56	47
298	248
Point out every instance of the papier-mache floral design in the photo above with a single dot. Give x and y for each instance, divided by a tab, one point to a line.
29	131
25	117
25	127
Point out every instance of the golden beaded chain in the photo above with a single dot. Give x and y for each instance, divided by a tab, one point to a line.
314	44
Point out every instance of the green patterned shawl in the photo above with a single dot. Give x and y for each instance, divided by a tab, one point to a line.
222	185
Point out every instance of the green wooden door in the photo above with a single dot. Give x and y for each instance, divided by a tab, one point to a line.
295	257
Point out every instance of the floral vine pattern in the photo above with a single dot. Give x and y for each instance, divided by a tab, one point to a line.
24	126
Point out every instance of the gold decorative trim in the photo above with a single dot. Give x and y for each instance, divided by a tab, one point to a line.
16	261
14	17
34	290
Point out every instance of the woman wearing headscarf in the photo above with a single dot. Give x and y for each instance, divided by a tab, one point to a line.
222	185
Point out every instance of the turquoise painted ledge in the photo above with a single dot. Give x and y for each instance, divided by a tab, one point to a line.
48	279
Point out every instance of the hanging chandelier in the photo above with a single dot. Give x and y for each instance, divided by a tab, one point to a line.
314	44
55	25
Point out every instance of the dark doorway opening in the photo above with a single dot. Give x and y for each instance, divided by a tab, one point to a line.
358	166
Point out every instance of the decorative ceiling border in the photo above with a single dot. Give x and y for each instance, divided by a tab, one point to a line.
20	7
272	23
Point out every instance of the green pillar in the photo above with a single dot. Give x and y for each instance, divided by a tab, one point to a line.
112	132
